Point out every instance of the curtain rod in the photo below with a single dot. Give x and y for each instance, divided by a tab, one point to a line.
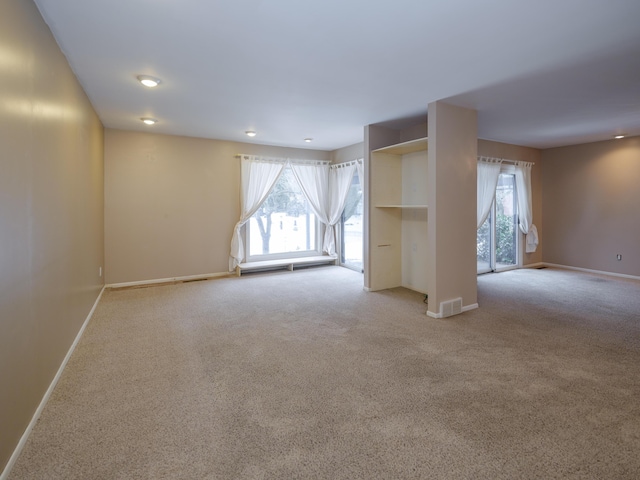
503	160
346	164
284	160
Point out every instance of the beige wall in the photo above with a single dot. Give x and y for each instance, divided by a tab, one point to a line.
347	154
51	214
524	154
414	132
171	203
590	203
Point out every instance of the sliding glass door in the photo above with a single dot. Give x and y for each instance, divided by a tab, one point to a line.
497	238
351	237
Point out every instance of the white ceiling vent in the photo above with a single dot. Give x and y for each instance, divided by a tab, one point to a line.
451	307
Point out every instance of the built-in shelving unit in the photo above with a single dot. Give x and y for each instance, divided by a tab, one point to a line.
398	219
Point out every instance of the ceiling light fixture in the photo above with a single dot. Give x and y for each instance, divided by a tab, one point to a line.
308	140
148	81
619	136
149	121
250	133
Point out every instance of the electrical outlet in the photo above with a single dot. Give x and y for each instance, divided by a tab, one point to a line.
619	257
100	272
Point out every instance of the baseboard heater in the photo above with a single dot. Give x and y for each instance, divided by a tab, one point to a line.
288	263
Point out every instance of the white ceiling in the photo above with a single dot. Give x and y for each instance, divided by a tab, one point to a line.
540	73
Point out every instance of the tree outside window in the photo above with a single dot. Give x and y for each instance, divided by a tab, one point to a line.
284	222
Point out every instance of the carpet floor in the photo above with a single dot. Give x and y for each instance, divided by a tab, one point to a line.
304	375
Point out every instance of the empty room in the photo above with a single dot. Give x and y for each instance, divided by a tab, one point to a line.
341	240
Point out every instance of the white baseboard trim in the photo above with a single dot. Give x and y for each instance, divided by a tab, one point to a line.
588	270
154	281
473	306
25	436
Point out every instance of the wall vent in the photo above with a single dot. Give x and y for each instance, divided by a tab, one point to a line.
451	307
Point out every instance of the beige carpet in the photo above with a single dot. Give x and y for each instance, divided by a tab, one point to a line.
304	375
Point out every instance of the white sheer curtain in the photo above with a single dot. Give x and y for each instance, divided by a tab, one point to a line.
313	178
360	169
525	211
488	173
257	178
340	177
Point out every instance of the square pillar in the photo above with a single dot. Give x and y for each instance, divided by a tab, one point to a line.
451	197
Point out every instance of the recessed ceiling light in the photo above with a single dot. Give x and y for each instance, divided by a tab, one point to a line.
250	133
149	121
148	81
619	136
308	140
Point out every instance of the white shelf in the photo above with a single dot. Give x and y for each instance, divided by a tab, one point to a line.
401	206
406	147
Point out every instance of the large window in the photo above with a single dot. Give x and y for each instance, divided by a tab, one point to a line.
284	226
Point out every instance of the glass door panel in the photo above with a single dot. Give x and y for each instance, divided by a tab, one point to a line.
497	238
506	224
485	246
351	237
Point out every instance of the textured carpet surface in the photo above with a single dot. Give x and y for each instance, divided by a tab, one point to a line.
304	375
